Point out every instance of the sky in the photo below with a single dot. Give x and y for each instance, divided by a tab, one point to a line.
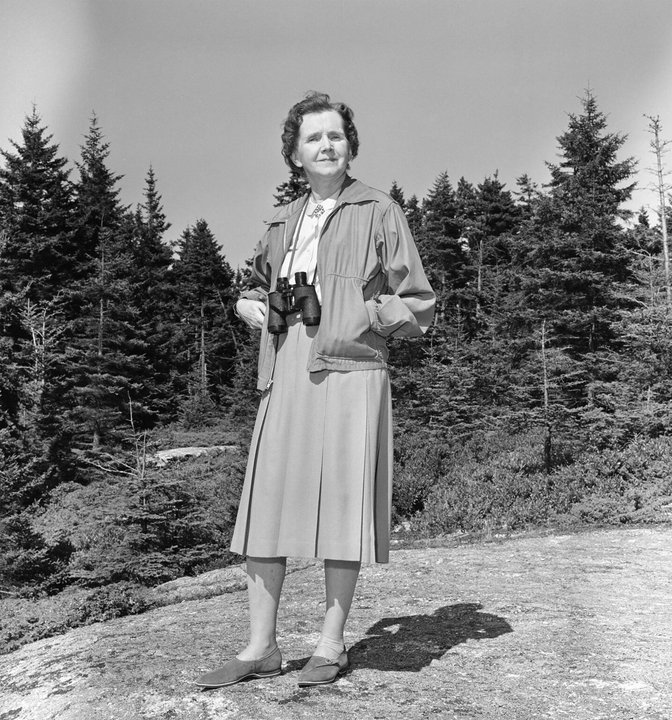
199	89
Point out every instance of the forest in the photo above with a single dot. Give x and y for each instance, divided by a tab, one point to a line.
541	397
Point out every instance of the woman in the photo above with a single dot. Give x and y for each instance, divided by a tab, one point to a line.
318	481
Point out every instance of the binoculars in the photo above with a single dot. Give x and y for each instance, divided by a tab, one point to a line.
300	297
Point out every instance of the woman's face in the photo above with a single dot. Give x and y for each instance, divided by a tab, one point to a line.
322	149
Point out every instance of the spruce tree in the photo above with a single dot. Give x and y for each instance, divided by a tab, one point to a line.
413	211
397	194
444	255
36	216
205	344
153	297
292	189
106	354
39	263
567	282
526	196
575	248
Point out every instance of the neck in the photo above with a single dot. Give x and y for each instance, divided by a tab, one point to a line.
322	188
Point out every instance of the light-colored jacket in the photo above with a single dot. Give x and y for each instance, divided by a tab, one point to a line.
371	277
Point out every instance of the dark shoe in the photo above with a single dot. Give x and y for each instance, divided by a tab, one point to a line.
320	671
234	671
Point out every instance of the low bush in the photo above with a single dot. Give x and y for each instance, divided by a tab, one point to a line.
112	601
173	521
29	561
419	463
502	484
494	480
24	620
623	485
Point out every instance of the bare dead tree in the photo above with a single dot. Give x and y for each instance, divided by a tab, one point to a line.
45	327
548	436
659	147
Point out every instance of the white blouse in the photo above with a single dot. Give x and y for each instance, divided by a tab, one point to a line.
302	253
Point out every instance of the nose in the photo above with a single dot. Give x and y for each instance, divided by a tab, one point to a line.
327	144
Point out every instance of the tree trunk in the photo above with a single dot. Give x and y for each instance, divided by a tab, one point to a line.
658	147
548	438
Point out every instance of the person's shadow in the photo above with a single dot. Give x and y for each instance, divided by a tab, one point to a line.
411	642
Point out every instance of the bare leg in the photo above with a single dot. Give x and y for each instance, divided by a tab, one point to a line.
340	578
265	577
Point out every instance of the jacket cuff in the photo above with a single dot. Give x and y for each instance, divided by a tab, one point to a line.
372	308
254	294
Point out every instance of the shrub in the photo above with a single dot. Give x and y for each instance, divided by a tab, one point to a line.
29	561
629	484
499	482
418	465
175	521
112	601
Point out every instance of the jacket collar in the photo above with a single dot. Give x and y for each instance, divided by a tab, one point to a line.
353	191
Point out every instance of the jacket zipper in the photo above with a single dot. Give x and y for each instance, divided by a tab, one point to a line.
319	237
317	264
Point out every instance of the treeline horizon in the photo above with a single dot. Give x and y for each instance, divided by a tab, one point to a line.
548	360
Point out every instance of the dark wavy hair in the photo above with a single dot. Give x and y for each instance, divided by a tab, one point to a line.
315	102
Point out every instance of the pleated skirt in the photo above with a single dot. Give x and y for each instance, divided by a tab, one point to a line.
319	473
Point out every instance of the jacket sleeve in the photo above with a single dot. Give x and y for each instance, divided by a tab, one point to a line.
406	309
260	273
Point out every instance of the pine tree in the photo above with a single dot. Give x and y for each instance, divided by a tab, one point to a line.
496	222
570	268
397	194
205	345
526	196
36	216
37	255
574	249
444	254
153	296
105	355
292	189
413	211
39	262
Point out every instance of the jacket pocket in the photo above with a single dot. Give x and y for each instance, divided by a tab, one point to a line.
345	325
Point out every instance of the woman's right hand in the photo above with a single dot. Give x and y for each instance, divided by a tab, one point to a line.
251	312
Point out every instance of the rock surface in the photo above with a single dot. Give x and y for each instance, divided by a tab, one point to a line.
163	457
566	626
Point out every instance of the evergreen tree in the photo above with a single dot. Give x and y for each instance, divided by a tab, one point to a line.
576	246
106	354
205	343
570	268
497	208
447	262
444	254
397	194
632	399
154	300
527	195
38	261
497	222
292	189
38	264
413	211
36	214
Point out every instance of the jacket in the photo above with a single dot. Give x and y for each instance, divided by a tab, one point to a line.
371	277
